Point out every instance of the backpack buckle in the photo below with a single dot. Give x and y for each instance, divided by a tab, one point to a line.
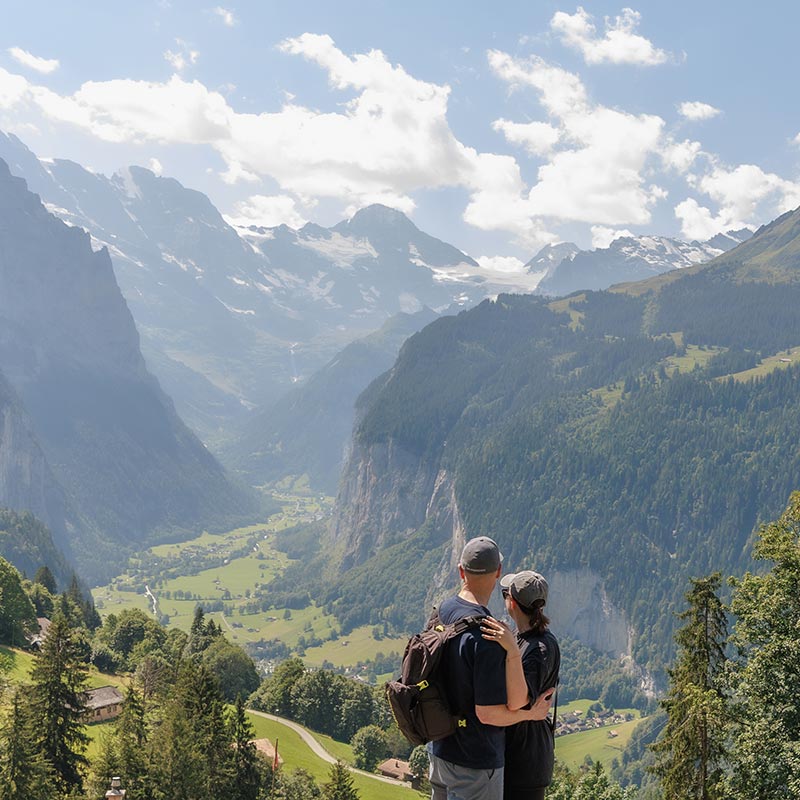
423	685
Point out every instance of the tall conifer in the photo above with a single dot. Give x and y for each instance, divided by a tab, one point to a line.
691	751
766	680
58	704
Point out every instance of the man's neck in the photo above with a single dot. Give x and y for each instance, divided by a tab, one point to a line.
473	595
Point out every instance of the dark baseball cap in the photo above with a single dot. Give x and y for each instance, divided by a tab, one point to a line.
481	556
528	588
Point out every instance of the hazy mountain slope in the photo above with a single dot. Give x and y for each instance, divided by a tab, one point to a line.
308	430
248	310
69	347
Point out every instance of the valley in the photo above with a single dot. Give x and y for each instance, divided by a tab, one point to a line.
227	574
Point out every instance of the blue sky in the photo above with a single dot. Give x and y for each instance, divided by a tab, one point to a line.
497	127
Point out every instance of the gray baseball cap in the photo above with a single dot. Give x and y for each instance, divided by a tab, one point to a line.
528	588
481	556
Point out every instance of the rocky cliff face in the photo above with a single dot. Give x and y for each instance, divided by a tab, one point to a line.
70	350
388	493
26	480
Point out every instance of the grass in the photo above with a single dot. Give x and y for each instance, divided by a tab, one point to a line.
573	748
295	753
769	364
19	664
694	356
215	569
564	306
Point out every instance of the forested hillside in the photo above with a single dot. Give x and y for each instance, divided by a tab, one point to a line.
609	431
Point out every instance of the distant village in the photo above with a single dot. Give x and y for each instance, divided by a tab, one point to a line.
576	721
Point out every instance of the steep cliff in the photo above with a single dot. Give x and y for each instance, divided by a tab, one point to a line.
69	348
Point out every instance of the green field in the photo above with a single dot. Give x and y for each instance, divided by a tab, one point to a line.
233	569
600	743
295	753
20	663
780	360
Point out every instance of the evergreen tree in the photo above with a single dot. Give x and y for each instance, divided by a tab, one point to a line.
199	693
690	754
246	779
59	703
766	736
340	784
24	773
17	614
131	739
45	577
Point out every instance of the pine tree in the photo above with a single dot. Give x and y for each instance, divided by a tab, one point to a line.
24	773
691	752
199	693
58	704
340	784
766	679
246	780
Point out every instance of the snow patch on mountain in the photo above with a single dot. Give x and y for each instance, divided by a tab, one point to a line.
342	251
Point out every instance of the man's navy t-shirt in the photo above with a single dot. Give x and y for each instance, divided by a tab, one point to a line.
474	674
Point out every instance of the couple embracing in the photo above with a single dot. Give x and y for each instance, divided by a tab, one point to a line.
504	682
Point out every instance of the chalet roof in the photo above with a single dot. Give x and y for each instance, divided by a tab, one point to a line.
266	747
102	697
395	768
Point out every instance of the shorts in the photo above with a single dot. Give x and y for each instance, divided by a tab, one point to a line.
453	782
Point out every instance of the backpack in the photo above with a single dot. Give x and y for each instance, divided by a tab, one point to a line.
417	700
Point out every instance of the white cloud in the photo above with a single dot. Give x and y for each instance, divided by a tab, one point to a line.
226	15
43	65
680	156
698	111
598	174
155	166
620	45
602	236
538	138
796	140
183	57
267	211
744	194
13	89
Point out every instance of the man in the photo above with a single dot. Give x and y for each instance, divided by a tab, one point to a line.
469	764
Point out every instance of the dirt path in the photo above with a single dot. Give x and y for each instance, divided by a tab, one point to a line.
319	750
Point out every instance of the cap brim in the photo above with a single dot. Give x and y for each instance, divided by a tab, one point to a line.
506	580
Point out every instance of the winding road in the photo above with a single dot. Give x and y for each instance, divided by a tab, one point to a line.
319	750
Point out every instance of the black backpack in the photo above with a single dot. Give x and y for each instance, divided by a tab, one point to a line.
417	701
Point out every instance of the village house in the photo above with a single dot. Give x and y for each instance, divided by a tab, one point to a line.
103	703
399	770
267	749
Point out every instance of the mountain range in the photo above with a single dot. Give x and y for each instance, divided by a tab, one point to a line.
628	258
232	317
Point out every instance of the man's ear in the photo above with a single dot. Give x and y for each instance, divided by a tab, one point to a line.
499	572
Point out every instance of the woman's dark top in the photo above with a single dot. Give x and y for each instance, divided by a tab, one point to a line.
530	745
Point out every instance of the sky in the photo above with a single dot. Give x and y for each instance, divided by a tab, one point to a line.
497	127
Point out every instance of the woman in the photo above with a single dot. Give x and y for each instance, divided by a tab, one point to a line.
529	753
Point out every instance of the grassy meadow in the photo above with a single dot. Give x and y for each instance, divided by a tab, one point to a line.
232	568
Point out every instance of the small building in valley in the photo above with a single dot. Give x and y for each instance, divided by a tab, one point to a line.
399	770
103	703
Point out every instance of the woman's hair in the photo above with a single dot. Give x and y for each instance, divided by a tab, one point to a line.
536	617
